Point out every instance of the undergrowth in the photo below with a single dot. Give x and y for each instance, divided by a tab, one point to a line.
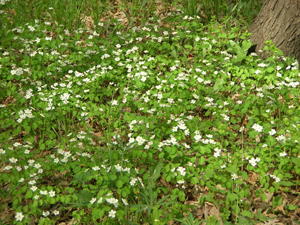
108	117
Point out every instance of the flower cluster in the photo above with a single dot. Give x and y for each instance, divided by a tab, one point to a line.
254	161
257	127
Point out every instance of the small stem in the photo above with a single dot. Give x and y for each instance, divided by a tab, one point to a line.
242	150
236	213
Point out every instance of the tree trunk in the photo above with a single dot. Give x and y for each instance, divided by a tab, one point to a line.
279	21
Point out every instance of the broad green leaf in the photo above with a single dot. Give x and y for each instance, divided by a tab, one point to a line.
119	183
28	194
84	195
218	85
194	180
231	197
231	169
247	214
97	213
286	183
201	160
246	45
296	160
209	173
157	170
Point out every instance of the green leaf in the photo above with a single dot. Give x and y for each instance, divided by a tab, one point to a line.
279	52
246	45
119	183
161	155
97	213
52	201
27	128
264	197
231	197
17	131
84	195
240	57
113	177
296	160
157	170
35	126
202	150
231	36
231	169
35	204
174	53
266	48
247	214
277	201
204	52
23	189
218	85
139	84
286	183
194	180
291	207
239	181
209	173
201	160
42	146
28	194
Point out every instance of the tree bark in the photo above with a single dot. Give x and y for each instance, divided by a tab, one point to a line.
279	21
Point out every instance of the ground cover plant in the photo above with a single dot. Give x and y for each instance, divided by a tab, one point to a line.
109	117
